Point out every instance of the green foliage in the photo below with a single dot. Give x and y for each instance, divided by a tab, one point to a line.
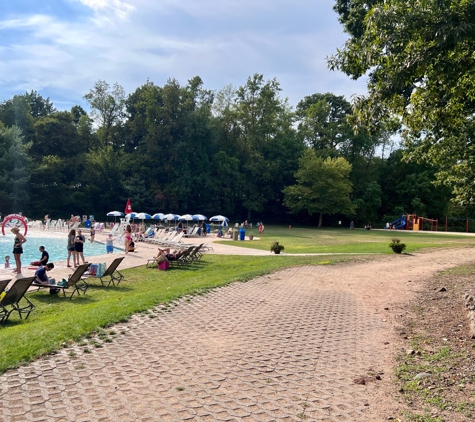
184	148
276	247
15	170
323	186
107	106
397	246
420	60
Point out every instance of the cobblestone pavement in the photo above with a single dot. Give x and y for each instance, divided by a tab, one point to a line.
278	348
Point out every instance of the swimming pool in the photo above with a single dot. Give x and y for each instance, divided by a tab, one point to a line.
55	245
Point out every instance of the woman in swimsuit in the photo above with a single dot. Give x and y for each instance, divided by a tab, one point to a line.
93	233
18	248
71	247
127	238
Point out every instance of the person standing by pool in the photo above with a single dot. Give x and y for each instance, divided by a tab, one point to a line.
71	241
127	238
93	233
79	248
18	248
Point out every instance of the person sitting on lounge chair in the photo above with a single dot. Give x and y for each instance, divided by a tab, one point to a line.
40	274
42	278
171	256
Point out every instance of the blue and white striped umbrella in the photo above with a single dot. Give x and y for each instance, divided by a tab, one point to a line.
171	217
158	216
219	218
200	217
115	214
143	216
187	217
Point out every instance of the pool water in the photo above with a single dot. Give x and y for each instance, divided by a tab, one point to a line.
55	246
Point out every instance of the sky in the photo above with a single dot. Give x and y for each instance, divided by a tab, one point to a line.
60	48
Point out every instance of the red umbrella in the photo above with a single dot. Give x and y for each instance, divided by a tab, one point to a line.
128	207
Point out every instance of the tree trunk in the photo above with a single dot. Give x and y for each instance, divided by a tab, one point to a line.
248	215
320	219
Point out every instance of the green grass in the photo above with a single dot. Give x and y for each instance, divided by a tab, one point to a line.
312	240
57	321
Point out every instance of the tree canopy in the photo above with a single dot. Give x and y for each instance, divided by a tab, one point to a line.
420	64
323	186
243	152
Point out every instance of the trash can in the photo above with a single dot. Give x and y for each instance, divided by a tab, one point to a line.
87	224
235	234
208	228
242	234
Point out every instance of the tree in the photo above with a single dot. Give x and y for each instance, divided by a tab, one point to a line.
367	207
323	186
107	106
420	60
259	128
14	171
323	121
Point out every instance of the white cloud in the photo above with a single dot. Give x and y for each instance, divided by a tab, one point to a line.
222	41
120	8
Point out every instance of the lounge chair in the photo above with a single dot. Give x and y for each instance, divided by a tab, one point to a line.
113	273
184	257
175	241
75	281
4	284
193	233
11	301
195	254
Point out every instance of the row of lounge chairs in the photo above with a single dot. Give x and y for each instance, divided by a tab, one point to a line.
15	300
191	254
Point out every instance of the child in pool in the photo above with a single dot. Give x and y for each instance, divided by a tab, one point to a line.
110	244
7	261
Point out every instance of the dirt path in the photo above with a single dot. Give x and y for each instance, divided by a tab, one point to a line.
301	344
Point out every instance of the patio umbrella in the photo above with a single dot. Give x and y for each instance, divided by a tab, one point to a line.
187	217
131	215
115	214
219	218
128	207
158	216
171	217
143	216
199	217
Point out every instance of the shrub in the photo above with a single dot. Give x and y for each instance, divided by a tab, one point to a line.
276	248
397	246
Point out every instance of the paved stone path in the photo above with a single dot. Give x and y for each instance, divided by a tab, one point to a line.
278	348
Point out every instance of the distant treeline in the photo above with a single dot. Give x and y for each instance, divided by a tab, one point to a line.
186	149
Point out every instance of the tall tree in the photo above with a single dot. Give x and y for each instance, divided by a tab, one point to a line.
323	121
420	60
107	104
323	187
15	171
265	143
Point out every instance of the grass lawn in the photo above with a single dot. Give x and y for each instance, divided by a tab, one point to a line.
58	320
312	240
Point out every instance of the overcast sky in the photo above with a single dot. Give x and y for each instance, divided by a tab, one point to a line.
61	47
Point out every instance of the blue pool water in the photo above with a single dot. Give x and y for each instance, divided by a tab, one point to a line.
55	246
